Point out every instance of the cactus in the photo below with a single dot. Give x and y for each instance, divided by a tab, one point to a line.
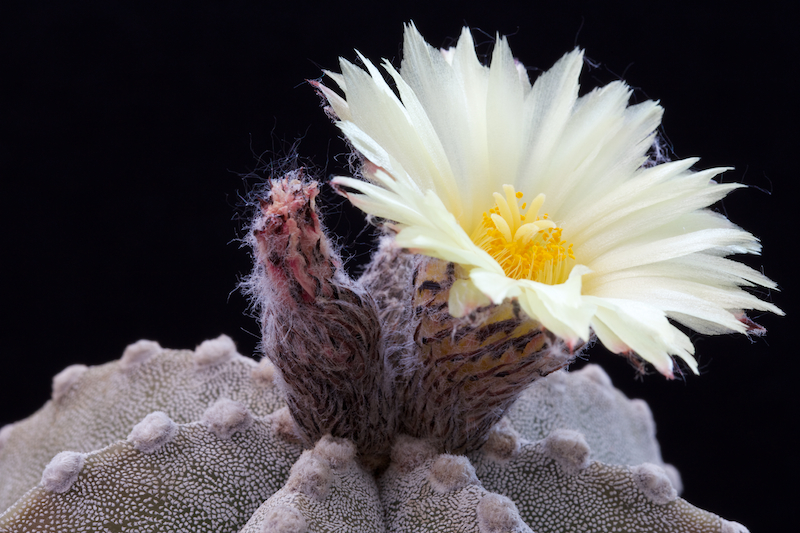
204	441
411	399
199	464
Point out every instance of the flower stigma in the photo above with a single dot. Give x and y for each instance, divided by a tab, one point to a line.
526	245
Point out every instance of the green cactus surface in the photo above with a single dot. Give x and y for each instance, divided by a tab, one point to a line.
221	454
94	407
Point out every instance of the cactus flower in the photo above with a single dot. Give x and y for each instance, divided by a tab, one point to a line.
546	198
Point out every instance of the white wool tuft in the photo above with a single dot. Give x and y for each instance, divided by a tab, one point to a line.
227	417
5	434
498	514
726	526
311	475
215	351
654	482
139	352
66	379
283	424
452	472
569	449
284	519
153	432
503	441
674	476
409	453
62	471
264	373
338	452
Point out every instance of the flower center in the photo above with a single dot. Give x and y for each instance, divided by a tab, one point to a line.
527	246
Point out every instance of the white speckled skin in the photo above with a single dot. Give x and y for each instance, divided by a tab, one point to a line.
259	485
167	381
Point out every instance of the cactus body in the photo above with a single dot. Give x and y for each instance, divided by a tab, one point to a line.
217	473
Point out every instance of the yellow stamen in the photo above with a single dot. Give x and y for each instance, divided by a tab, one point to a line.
532	250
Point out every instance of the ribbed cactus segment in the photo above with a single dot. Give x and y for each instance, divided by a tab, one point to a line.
320	329
424	491
478	365
619	430
189	480
555	496
99	405
328	491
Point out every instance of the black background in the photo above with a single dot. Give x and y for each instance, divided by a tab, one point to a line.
126	128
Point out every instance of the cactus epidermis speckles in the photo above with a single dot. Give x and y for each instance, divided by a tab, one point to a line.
197	482
597	497
83	421
253	465
422	491
328	489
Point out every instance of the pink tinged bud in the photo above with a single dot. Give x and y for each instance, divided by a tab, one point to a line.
320	330
289	241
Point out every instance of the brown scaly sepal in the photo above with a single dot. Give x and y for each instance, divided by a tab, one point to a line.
467	372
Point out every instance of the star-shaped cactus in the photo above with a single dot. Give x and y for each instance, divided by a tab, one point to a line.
572	453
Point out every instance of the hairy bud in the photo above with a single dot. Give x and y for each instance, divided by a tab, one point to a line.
320	330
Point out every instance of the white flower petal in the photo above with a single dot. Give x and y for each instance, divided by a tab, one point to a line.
504	122
546	111
465	297
380	202
431	242
560	308
644	330
688	298
636	254
453	95
337	103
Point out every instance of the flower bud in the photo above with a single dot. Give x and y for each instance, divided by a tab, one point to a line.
320	330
